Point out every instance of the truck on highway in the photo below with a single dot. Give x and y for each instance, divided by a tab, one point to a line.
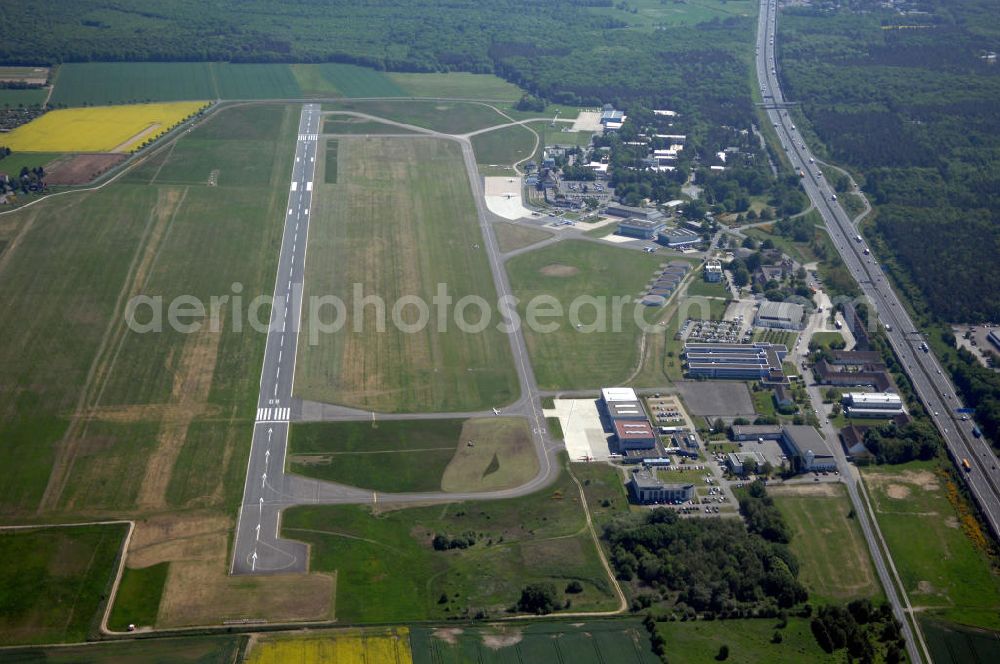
924	347
857	238
965	466
976	432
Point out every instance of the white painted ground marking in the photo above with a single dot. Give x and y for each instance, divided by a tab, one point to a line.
309	186
295	186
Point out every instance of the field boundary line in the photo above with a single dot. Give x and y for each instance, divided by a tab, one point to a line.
910	614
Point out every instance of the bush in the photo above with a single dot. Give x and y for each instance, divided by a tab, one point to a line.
538	598
574	587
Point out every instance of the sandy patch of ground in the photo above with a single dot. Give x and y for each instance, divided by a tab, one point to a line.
952	522
897	491
136	139
192	382
559	270
448	635
825	489
588	121
503	640
198	590
81	168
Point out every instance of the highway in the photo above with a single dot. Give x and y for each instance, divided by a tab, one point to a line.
930	380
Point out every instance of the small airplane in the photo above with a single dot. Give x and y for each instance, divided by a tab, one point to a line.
587	458
496	411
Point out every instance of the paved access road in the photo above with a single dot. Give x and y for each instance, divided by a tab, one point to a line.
930	381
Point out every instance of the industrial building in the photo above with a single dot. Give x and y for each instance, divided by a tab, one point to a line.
678	237
713	271
643	229
741	463
872	404
808	450
759	360
646	489
827	373
625	410
629	212
612	394
756	432
780	315
634	435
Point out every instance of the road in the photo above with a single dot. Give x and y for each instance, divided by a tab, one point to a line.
258	548
930	381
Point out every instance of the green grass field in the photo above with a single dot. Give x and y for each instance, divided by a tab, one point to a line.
138	598
387	570
186	650
493	453
418	455
941	568
572	269
559	134
749	641
345	124
332	79
400	221
605	641
701	288
604	487
52	588
834	563
786	337
384	456
456	85
450	117
14	98
824	339
504	146
512	236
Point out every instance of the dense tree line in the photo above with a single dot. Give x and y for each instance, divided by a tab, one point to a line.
560	50
869	633
980	386
715	566
892	444
761	514
915	111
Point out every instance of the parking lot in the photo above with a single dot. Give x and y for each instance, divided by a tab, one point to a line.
715	331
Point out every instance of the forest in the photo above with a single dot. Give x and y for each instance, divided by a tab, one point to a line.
908	102
713	566
560	50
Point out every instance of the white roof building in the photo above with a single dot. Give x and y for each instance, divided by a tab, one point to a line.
613	394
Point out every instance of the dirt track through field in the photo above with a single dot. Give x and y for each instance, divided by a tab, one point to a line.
160	218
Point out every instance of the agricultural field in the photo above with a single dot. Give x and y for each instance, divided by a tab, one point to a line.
504	146
332	79
572	269
204	649
749	641
53	585
940	552
449	117
834	564
99	129
607	641
388	571
373	646
12	97
456	85
14	162
29	75
399	221
953	644
106	83
511	236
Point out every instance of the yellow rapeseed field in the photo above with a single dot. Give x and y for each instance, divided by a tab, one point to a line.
341	647
98	128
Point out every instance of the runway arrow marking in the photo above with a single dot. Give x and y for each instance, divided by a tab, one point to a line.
258	531
263	480
253	559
